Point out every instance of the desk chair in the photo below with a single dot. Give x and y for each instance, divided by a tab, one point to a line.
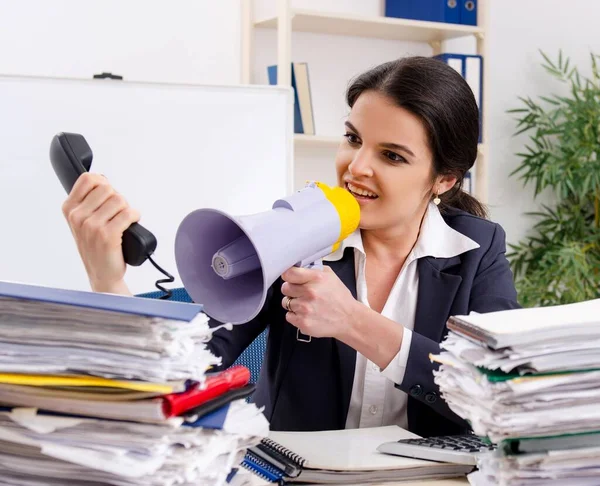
252	357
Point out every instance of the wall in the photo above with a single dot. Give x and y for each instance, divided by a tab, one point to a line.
191	41
518	29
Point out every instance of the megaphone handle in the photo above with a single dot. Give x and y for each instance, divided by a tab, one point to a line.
300	336
317	265
303	338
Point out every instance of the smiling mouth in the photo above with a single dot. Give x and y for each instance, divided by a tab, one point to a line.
360	193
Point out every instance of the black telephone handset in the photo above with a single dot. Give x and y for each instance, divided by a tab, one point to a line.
71	156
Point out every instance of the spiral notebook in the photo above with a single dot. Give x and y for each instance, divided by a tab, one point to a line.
341	457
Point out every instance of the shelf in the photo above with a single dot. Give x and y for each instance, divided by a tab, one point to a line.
316	141
377	27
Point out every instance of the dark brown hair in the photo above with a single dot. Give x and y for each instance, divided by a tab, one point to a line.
444	102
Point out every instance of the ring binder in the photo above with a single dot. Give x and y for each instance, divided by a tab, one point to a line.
261	468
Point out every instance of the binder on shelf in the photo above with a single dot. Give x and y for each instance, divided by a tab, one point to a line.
467	184
469	67
447	11
468	12
303	111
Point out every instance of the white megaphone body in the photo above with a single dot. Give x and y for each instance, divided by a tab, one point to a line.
228	263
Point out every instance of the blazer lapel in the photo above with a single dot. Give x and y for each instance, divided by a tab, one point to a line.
437	291
344	269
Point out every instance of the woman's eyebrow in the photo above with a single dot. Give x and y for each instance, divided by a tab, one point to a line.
396	146
388	145
351	127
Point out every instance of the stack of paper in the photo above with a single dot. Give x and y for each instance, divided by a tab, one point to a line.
114	390
528	379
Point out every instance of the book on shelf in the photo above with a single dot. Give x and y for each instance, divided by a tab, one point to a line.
303	110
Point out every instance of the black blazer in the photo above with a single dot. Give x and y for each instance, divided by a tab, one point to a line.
307	386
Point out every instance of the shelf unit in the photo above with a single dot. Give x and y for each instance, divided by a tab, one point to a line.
287	20
302	140
375	27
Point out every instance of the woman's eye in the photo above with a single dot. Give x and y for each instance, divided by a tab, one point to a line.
394	157
352	139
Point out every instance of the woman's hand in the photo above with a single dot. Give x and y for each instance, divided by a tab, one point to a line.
321	305
98	216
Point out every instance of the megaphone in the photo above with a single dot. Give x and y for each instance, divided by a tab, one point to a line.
228	263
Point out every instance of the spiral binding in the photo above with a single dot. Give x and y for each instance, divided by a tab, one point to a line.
261	468
169	279
298	460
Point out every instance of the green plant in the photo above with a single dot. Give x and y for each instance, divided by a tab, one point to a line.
560	262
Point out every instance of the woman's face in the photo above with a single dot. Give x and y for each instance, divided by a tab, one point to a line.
386	163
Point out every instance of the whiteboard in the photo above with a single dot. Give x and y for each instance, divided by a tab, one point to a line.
169	149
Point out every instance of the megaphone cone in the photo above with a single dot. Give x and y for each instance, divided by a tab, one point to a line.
228	263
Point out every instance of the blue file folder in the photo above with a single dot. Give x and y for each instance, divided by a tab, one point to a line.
449	11
469	67
468	12
467	184
272	72
429	10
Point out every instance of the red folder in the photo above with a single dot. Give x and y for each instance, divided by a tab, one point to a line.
176	404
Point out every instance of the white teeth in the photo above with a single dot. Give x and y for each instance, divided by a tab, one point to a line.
360	192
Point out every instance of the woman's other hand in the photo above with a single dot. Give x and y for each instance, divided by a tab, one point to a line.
98	216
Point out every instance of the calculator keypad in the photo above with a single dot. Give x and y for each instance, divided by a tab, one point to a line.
452	442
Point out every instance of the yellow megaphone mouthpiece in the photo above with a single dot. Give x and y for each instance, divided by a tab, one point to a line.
346	206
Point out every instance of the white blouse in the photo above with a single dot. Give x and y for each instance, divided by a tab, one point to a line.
375	401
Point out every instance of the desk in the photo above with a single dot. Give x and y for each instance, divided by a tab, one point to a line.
245	478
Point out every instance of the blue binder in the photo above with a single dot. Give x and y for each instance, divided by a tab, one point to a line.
272	72
262	468
467	184
429	10
212	420
179	311
470	67
468	12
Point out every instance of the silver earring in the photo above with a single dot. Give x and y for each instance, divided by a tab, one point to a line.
437	200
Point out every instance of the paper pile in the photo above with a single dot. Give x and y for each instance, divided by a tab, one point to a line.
528	379
115	390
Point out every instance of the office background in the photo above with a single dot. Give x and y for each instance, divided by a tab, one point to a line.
200	41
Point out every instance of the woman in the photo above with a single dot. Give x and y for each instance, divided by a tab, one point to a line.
423	253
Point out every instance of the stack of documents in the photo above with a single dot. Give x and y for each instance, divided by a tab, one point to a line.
529	380
98	388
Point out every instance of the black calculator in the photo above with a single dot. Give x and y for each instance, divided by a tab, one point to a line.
458	449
